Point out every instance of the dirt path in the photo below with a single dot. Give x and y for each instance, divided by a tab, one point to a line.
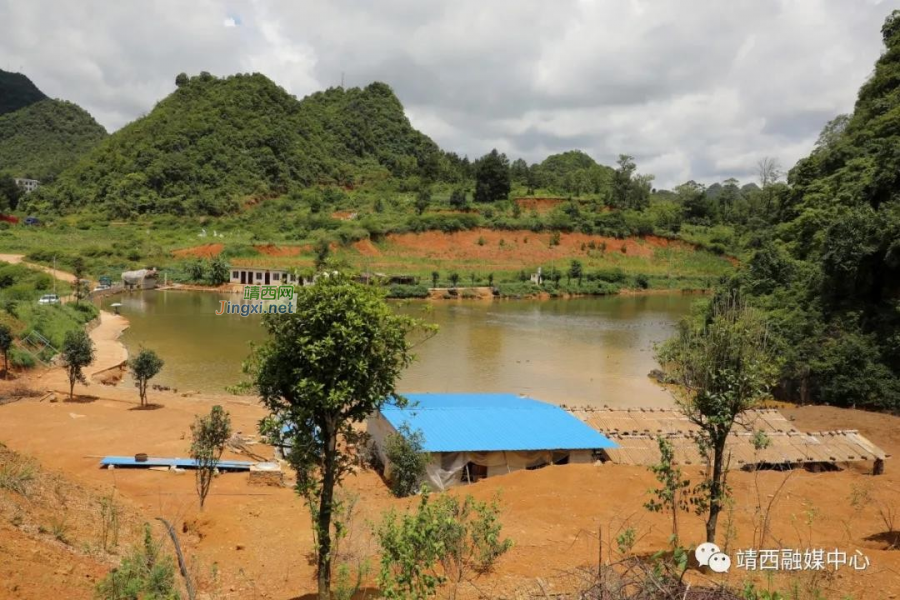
15	259
110	353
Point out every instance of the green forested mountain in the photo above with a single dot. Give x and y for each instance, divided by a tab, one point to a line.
17	91
40	137
43	138
572	172
215	141
829	276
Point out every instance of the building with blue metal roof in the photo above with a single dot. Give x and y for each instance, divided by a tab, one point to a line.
480	435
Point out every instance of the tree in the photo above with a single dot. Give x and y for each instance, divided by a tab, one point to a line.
723	365
218	271
322	251
325	368
77	352
491	279
81	287
621	186
576	270
10	193
454	278
768	170
458	199
6	342
144	367
434	278
408	460
181	79
674	493
492	178
209	435
423	199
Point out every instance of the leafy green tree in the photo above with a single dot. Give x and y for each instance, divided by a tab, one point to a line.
408	460
322	252
674	493
434	278
454	278
6	343
181	79
77	352
723	365
209	435
218	271
629	189
576	270
458	199
196	270
492	181
80	287
423	200
323	370
144	367
10	193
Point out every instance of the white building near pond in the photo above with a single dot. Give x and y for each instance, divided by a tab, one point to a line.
261	276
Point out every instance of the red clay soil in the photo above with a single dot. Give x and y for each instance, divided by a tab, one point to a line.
204	251
273	250
260	538
520	246
366	248
539	205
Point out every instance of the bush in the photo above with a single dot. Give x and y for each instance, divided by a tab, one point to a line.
399	290
518	289
642	281
408	461
611	275
446	540
21	359
145	573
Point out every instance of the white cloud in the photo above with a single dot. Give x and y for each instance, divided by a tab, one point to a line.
698	90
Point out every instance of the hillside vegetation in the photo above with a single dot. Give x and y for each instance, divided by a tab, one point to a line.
215	142
42	139
18	92
828	274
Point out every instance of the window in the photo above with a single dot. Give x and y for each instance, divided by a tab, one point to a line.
234	275
276	276
258	276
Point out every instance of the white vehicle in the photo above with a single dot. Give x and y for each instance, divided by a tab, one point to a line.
49	299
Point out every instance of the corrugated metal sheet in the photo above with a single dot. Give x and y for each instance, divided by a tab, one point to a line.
492	422
636	430
184	463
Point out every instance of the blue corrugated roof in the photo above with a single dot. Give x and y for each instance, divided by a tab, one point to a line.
492	422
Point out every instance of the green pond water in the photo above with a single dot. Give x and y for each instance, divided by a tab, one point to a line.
581	351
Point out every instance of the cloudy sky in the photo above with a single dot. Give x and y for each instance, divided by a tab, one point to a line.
699	89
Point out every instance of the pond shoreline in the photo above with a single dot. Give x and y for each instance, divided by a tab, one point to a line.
443	294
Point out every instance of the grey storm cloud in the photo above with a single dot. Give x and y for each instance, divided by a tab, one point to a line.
696	90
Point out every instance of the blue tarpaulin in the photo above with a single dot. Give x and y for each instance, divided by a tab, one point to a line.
493	422
182	463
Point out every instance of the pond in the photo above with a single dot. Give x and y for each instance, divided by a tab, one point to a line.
579	351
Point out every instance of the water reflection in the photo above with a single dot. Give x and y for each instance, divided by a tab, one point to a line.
581	351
